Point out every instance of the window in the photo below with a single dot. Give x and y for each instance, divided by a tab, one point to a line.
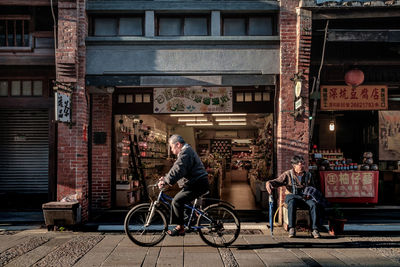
14	30
21	88
252	25
183	25
241	97
118	26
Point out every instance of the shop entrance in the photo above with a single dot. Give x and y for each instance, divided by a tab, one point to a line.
236	149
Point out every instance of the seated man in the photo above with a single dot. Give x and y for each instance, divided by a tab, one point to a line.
296	180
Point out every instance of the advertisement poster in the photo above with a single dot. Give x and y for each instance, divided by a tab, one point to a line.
364	97
193	100
389	135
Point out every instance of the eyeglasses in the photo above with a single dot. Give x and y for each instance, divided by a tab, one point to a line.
300	163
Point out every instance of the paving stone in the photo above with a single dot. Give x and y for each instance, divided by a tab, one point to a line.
244	255
22	248
325	257
38	253
365	257
70	252
126	254
99	254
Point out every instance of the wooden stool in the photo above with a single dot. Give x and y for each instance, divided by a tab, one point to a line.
303	219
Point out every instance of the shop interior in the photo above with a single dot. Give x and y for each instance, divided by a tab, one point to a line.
358	140
236	150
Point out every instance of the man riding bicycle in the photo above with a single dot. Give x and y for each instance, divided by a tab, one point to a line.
192	176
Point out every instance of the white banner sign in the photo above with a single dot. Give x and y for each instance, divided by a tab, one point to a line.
63	107
193	100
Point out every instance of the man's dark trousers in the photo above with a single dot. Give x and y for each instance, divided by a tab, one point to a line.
185	196
296	201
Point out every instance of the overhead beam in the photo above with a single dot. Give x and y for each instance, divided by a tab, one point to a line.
27	2
358	62
388	36
360	13
176	5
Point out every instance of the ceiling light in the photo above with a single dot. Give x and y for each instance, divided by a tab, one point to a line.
229	114
200	124
187	115
230	119
192	120
232	123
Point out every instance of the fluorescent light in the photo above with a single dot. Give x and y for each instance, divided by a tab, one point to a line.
187	115
200	124
229	114
232	123
192	120
230	119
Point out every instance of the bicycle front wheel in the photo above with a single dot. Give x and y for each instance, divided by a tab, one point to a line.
219	226
142	234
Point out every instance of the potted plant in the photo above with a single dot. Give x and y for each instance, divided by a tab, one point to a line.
336	221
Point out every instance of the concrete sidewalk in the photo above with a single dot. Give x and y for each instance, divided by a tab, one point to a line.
254	247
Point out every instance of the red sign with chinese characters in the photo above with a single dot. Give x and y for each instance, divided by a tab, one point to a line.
364	97
350	186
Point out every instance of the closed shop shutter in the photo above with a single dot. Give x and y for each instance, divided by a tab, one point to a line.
24	151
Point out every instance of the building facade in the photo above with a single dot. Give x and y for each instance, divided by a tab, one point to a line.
104	50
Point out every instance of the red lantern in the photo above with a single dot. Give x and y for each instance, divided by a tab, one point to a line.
354	77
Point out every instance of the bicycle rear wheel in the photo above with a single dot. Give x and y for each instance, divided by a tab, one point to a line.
141	234
220	226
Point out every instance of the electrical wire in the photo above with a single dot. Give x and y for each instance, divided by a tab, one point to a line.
54	27
316	85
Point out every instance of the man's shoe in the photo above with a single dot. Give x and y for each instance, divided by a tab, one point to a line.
292	232
316	234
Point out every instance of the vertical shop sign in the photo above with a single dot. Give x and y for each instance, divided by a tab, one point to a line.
193	100
63	106
366	97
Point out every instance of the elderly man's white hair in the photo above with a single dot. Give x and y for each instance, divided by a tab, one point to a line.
176	139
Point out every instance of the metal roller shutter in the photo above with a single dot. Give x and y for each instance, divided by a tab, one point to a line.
24	151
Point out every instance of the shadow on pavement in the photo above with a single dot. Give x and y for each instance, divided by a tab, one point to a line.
359	244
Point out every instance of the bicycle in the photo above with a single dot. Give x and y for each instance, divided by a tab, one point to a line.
218	224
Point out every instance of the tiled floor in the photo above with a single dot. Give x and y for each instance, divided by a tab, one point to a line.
240	195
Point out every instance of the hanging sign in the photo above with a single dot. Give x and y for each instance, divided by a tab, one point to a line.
193	100
364	97
63	106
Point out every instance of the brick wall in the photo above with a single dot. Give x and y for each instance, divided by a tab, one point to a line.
292	134
101	153
72	164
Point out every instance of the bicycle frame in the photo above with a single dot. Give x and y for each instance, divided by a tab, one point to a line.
164	198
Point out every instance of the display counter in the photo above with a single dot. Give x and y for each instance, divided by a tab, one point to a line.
350	186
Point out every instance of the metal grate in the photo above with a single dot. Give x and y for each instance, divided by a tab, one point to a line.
24	151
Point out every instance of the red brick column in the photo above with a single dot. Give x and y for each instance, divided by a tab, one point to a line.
72	172
292	133
101	153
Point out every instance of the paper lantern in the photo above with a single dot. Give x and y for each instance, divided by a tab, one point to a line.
354	77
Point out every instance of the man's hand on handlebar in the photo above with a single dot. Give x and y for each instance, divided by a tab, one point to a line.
161	182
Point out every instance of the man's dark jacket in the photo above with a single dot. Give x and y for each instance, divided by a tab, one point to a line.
189	166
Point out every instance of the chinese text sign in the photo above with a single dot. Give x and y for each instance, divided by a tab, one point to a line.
340	97
349	184
193	100
63	107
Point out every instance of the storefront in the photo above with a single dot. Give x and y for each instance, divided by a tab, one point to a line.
355	130
27	135
236	147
